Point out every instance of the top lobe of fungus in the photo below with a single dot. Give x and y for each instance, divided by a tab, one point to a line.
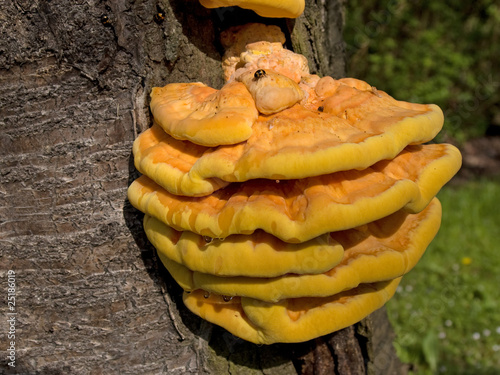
256	46
203	115
271	91
264	8
236	38
266	55
338	127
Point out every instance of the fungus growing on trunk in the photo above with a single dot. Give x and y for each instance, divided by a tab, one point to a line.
264	8
258	255
271	91
302	141
300	209
290	320
203	115
379	251
286	205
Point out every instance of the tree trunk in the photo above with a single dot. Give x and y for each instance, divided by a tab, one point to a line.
90	295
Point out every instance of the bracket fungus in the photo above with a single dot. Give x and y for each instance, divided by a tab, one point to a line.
264	8
379	251
203	115
301	209
290	320
271	91
287	205
259	255
297	142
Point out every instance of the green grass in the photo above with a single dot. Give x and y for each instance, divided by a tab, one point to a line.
446	312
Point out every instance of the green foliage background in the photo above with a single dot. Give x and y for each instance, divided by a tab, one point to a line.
446	312
443	52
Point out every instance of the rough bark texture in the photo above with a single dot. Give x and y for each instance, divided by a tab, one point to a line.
317	34
91	297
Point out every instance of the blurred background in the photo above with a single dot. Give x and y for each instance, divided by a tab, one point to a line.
446	312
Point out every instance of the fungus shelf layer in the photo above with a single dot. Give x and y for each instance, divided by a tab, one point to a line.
299	210
202	115
297	142
259	255
264	8
291	320
379	251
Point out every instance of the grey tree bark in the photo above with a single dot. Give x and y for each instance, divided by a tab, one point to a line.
91	297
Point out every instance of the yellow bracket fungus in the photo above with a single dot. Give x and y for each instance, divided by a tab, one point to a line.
285	204
264	8
203	115
259	255
381	250
293	320
299	210
293	143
